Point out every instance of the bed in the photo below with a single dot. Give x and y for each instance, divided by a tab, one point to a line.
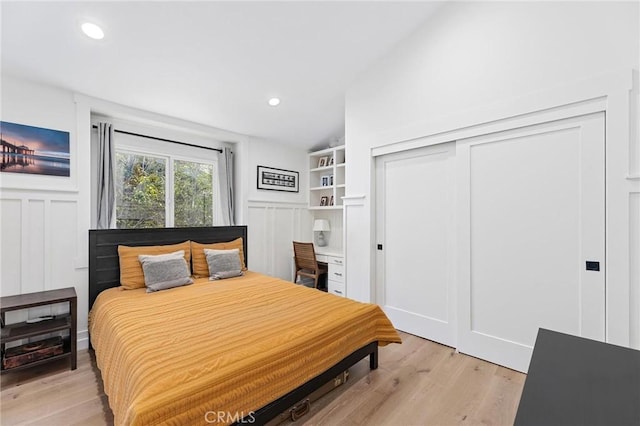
241	349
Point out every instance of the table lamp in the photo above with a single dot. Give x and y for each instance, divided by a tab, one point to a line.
321	225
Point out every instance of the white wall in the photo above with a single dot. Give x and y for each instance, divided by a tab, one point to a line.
473	54
42	231
44	220
275	218
467	59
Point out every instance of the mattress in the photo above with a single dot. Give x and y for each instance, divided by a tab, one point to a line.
215	351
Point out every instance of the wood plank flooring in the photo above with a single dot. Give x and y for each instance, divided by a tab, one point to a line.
417	383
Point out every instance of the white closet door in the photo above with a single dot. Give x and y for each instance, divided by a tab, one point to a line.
530	215
415	227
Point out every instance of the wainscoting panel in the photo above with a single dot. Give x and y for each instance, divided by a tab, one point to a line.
34	266
11	248
272	229
39	247
63	237
634	272
357	275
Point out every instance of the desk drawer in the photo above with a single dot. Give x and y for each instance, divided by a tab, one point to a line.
336	287
336	272
323	258
334	260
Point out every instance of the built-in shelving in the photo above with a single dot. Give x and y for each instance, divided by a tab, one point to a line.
327	178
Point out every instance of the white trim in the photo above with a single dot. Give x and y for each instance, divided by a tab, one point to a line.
265	203
142	117
582	98
354	198
83	340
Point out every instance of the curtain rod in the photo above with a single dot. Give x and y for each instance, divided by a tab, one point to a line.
162	139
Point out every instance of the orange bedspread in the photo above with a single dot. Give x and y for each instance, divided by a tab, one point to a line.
231	346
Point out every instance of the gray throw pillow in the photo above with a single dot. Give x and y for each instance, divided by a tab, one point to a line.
223	263
165	271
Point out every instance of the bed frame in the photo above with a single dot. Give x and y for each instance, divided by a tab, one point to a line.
104	273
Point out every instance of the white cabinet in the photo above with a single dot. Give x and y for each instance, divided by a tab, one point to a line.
335	278
326	178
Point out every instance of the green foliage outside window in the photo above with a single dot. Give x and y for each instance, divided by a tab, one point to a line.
193	194
140	192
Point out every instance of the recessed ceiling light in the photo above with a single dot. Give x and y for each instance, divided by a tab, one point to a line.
93	31
274	101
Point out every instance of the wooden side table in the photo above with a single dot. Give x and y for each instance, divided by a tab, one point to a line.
24	330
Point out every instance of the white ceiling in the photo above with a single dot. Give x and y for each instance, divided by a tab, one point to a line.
215	63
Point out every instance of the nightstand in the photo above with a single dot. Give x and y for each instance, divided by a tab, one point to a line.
25	330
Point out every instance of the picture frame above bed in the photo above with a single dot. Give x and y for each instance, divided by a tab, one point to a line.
273	179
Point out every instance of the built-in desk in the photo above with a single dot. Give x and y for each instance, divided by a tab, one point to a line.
335	265
577	381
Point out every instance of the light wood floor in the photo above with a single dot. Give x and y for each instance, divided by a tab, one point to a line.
416	383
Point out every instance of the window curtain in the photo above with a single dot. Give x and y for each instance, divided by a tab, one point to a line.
225	172
106	186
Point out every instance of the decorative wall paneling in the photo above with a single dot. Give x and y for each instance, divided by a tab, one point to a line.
40	249
272	229
355	215
634	266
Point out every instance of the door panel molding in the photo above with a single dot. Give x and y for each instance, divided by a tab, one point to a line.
415	226
482	297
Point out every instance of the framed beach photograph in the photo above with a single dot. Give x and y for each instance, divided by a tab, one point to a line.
330	161
273	179
34	150
322	162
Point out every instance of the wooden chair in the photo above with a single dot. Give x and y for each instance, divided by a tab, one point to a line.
306	262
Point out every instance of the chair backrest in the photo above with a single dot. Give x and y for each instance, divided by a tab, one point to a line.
305	256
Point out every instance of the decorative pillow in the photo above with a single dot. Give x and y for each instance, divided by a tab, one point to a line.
131	274
223	263
200	266
165	271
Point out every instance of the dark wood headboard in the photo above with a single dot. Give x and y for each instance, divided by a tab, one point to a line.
104	266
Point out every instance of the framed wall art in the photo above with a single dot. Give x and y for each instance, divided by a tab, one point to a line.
273	179
34	150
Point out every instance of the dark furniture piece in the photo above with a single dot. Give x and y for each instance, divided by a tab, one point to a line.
577	381
104	265
306	263
104	273
24	330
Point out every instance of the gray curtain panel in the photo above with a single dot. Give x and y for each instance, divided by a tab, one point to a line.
225	171
106	186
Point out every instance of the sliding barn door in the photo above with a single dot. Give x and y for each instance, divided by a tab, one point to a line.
415	236
531	230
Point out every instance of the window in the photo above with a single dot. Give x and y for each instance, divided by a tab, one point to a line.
154	191
140	191
193	193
